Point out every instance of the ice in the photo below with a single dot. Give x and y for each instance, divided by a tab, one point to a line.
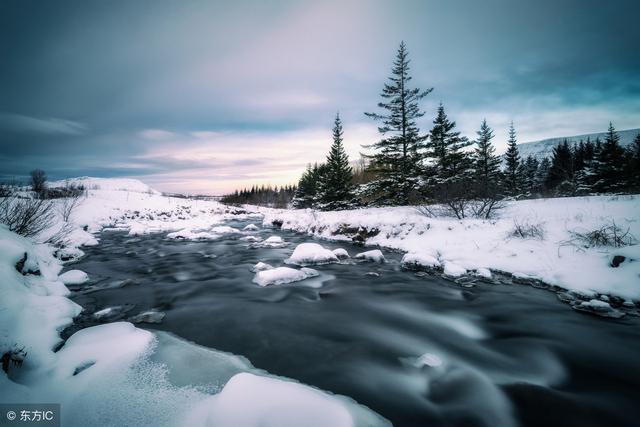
373	256
428	359
74	277
454	270
484	272
311	254
224	229
283	275
341	253
251	227
149	316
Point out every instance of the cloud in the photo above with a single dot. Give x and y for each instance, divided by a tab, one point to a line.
25	124
156	134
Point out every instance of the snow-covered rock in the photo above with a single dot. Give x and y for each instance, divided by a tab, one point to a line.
454	270
251	227
373	256
283	275
74	277
418	261
484	272
261	266
187	234
224	229
311	254
341	253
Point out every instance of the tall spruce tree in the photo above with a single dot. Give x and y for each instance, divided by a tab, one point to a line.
486	163
512	172
562	169
632	165
445	150
610	160
336	181
309	187
397	158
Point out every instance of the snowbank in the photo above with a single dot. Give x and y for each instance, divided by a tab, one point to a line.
480	245
373	256
311	254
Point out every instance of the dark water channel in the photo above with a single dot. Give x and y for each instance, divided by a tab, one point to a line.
494	354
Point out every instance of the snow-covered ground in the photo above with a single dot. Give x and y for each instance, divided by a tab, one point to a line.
476	246
119	375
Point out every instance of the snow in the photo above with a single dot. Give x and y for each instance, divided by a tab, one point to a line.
419	261
477	245
187	234
341	253
261	266
274	239
74	277
111	184
123	374
311	254
224	229
373	256
251	227
428	359
453	269
283	275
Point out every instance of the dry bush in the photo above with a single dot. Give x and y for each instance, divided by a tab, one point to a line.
607	235
527	230
26	216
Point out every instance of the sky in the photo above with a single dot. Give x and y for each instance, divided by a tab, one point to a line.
208	96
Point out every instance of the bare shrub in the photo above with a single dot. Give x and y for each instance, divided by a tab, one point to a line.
67	205
38	181
606	235
527	230
25	216
487	207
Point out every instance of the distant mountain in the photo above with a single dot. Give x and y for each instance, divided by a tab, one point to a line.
111	184
543	148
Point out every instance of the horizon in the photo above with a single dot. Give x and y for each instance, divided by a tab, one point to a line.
208	98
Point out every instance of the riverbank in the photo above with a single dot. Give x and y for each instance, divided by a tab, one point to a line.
552	252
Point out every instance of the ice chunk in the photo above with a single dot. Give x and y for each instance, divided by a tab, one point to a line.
282	275
374	256
453	270
341	253
150	316
74	277
310	254
601	308
274	239
251	227
428	359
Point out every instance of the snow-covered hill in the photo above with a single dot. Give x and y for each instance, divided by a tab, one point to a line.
113	184
543	148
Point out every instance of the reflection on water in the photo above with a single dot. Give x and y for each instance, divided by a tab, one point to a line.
419	350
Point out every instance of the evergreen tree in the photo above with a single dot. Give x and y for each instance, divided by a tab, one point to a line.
632	165
336	185
445	149
397	154
541	175
512	172
528	170
610	161
309	187
486	163
562	170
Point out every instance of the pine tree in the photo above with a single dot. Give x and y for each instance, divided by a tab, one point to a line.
309	187
610	162
512	173
397	158
541	175
632	165
486	163
336	185
445	149
562	170
528	170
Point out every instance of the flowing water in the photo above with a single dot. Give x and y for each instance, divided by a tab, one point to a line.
416	348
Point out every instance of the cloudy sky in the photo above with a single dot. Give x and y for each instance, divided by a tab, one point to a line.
207	96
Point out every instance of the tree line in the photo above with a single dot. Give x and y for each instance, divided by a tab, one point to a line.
262	196
408	166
